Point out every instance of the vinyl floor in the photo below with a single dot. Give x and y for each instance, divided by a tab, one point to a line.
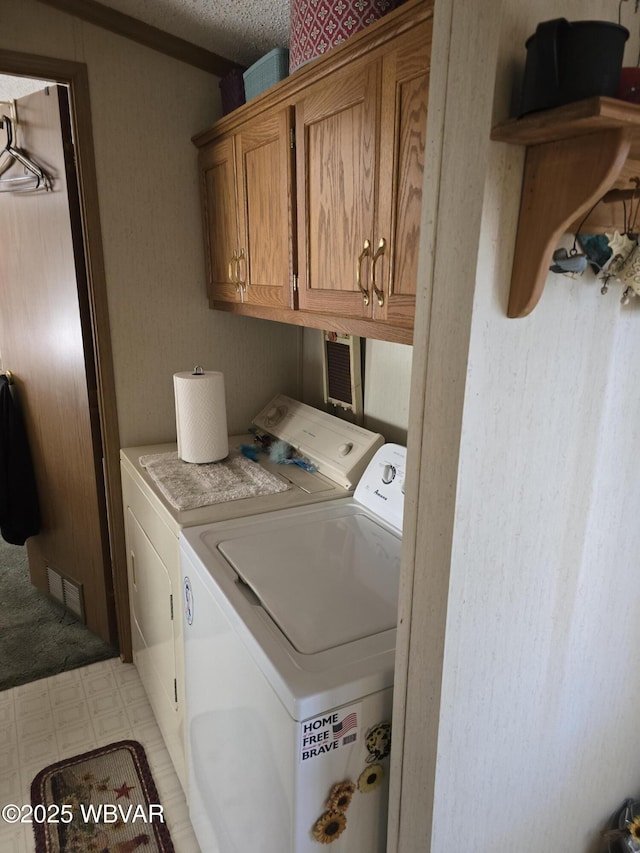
73	712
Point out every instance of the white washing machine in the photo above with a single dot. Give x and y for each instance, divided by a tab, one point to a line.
289	634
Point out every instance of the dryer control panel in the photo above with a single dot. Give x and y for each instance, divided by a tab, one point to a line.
381	487
340	450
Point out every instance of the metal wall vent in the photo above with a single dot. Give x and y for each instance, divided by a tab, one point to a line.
54	585
67	591
343	372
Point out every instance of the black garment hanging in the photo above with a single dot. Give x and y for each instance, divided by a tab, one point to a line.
19	510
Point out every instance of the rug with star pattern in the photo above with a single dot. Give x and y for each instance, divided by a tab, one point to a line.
104	801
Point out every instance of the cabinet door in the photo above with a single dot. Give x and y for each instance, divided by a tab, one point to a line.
336	156
265	191
152	602
220	218
405	90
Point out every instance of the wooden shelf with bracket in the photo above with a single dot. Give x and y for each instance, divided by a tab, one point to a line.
577	155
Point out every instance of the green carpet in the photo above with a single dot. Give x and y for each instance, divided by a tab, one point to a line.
38	636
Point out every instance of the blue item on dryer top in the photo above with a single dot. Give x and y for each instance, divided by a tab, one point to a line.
282	453
250	451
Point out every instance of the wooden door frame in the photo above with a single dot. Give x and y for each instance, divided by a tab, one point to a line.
75	76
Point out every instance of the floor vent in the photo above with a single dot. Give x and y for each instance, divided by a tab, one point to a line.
68	592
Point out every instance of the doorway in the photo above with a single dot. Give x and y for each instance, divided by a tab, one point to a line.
92	290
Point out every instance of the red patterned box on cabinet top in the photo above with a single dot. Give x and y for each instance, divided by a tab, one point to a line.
317	25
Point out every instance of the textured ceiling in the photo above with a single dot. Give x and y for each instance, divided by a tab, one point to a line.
16	87
240	30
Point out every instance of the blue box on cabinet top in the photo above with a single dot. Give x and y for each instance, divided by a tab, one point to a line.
266	72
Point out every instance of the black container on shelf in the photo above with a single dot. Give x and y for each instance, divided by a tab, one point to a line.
571	61
232	90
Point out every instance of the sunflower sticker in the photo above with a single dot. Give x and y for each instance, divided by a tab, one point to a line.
329	826
340	796
333	731
370	778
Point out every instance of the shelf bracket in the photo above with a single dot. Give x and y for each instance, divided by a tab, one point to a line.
562	180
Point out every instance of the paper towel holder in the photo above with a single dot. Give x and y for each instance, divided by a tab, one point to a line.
197	371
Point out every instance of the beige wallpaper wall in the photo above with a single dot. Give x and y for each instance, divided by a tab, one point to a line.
145	108
523	616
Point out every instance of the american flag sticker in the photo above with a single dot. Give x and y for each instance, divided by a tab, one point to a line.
329	732
345	725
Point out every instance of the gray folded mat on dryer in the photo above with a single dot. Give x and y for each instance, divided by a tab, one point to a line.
187	485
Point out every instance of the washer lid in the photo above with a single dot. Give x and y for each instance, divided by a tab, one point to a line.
325	582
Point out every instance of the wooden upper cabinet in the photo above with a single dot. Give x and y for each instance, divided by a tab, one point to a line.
403	130
246	182
336	165
220	218
360	136
265	179
326	233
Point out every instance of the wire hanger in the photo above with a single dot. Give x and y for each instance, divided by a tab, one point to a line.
34	177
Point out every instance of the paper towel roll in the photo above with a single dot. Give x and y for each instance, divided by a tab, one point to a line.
201	416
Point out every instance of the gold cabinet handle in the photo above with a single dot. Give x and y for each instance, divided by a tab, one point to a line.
378	252
366	251
234	276
242	279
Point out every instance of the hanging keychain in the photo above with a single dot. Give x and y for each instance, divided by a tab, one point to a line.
572	263
625	266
